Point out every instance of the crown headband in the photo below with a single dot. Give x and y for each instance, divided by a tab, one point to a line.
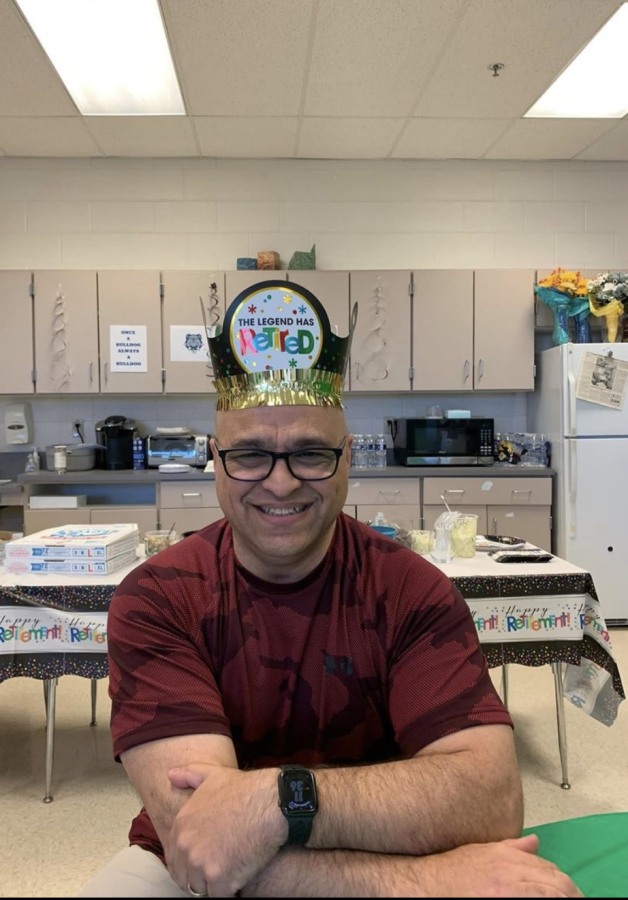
277	349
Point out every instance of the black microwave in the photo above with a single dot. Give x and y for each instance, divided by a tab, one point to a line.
443	442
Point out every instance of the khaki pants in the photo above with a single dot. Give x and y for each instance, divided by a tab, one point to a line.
133	872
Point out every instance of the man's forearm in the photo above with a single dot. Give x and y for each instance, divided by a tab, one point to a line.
418	806
298	872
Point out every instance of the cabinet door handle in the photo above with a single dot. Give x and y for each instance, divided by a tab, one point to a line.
467	369
480	370
495	525
521	492
454	491
389	492
91	372
195	494
106	372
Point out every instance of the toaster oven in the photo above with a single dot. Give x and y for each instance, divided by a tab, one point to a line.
189	448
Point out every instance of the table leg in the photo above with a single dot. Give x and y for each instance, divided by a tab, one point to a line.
50	694
505	684
94	693
560	719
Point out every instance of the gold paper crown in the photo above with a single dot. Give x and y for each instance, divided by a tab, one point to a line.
277	349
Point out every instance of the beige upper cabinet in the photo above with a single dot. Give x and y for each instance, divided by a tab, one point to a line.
442	332
66	332
473	330
504	330
380	352
332	290
129	313
187	363
16	333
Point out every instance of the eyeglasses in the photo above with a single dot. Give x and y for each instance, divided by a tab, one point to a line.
310	464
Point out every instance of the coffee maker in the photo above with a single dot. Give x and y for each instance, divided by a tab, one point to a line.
115	434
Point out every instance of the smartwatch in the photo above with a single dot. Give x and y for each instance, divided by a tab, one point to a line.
298	801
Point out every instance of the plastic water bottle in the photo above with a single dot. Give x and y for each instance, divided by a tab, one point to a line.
359	457
380	451
369	441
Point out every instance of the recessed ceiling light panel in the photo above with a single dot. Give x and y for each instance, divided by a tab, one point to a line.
112	55
594	85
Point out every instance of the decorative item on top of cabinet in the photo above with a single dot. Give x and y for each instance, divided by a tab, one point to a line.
544	317
302	259
187	363
268	259
566	293
129	310
380	350
16	333
66	332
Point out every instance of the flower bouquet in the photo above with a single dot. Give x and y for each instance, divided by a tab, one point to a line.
607	294
566	294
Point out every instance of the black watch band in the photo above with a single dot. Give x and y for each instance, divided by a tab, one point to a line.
298	804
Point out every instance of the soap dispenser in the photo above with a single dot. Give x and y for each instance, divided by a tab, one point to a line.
18	423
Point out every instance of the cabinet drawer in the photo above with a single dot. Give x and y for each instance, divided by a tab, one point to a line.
390	491
472	491
187	494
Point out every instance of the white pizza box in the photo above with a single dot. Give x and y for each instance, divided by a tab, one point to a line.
28	565
51	501
76	542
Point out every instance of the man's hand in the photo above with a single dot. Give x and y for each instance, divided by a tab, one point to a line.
229	829
505	869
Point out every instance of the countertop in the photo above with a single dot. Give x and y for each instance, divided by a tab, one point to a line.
151	476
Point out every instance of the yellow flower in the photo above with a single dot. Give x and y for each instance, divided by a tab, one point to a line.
566	281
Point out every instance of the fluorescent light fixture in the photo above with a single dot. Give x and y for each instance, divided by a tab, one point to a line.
112	55
594	85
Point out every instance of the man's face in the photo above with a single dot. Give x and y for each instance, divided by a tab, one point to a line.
282	526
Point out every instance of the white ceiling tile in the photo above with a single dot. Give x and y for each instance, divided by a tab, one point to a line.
611	145
29	84
547	138
239	59
371	58
256	137
448	138
535	39
348	138
143	135
46	137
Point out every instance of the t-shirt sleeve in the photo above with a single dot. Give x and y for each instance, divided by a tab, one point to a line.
161	681
439	677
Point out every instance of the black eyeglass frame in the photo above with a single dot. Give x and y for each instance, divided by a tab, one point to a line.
285	455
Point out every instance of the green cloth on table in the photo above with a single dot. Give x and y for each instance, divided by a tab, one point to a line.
592	850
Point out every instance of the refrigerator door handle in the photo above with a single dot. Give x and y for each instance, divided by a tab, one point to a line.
571	382
573	479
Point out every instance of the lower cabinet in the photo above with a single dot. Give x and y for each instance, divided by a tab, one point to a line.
519	507
398	499
188	505
145	517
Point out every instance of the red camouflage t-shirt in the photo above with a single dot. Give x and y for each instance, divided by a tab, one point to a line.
371	657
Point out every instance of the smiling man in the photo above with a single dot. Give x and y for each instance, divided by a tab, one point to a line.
301	703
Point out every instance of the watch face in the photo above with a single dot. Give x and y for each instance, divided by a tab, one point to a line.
298	792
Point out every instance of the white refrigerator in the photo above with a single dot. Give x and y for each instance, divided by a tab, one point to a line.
590	456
